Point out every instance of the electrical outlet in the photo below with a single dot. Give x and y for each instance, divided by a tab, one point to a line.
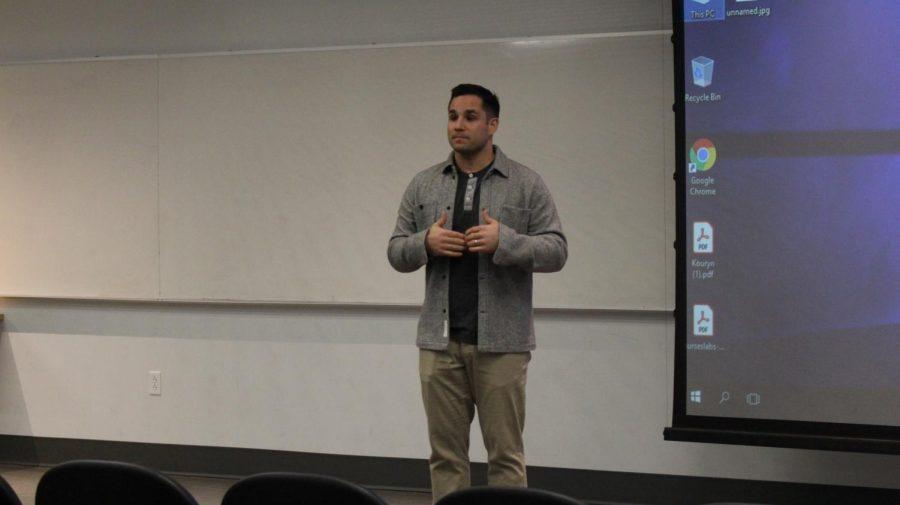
155	383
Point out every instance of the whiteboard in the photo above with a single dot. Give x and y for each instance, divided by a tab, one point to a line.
78	156
281	174
276	177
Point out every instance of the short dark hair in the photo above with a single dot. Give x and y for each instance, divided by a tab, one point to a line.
489	101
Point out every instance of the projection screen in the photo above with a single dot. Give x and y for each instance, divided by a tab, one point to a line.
788	197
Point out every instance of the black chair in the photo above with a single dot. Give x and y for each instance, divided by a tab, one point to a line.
491	495
7	495
284	488
88	482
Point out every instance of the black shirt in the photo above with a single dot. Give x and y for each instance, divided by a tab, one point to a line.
464	270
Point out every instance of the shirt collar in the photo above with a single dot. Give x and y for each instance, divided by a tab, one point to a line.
500	165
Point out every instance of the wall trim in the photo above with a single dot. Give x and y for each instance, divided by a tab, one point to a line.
286	305
412	474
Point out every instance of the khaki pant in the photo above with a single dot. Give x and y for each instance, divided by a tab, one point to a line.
454	383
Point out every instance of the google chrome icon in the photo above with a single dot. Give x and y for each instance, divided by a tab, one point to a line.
703	155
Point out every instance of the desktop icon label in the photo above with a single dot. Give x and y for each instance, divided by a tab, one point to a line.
703	10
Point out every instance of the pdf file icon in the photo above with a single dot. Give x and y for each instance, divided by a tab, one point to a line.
703	238
703	321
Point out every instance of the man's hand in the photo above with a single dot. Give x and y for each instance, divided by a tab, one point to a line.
484	238
441	242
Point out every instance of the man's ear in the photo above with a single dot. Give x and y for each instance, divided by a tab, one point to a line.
493	124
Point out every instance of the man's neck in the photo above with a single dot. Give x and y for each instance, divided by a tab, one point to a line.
475	162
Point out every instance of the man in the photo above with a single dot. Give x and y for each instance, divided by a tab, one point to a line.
481	224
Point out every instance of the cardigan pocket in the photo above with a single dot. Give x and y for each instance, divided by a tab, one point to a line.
516	218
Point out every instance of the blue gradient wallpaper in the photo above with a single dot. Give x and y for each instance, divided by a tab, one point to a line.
792	120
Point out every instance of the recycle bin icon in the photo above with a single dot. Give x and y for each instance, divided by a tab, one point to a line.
702	70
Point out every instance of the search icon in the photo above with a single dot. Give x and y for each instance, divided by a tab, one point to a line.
725	397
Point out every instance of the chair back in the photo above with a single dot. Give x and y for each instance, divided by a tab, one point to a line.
7	495
91	482
284	488
493	495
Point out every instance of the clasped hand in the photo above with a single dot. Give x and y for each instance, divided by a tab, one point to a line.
478	239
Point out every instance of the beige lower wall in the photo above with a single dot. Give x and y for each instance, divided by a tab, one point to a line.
343	381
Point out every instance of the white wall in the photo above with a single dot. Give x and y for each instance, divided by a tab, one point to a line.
46	29
343	380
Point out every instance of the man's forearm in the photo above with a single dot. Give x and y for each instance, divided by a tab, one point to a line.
407	253
545	252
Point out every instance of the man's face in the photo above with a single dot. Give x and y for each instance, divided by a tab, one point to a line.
468	127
